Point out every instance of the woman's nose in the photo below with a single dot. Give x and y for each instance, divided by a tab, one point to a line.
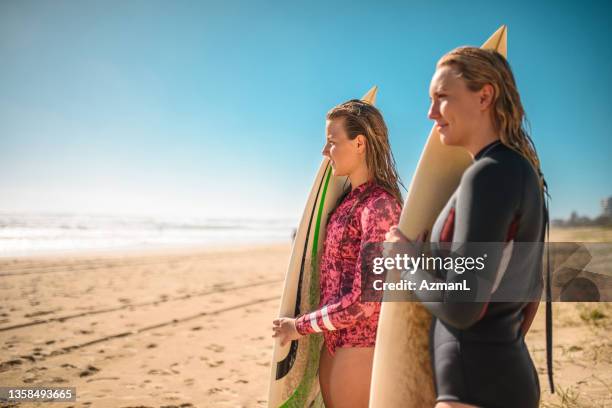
434	111
325	151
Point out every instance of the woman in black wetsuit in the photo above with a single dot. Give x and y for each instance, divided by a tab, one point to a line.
478	348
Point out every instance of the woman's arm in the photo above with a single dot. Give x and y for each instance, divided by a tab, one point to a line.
377	217
487	199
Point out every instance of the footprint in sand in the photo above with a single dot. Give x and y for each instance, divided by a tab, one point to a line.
136	406
159	372
103	379
90	370
216	363
215	347
36	369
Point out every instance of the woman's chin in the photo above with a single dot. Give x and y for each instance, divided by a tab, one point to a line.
337	173
447	140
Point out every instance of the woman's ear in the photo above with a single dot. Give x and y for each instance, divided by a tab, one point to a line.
360	143
487	93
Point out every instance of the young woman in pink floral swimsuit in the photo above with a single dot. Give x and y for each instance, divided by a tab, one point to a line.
357	145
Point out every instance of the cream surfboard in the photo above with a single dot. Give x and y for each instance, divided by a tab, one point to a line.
294	371
402	375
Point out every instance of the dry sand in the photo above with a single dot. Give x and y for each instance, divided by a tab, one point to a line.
192	328
143	330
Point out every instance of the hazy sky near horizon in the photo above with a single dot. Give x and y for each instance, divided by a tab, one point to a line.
216	108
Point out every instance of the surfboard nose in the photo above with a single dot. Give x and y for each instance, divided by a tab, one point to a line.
370	96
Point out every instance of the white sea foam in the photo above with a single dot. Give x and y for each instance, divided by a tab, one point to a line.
30	234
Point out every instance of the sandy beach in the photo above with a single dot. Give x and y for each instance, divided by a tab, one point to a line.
174	329
191	328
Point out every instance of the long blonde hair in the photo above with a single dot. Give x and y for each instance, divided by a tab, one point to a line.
362	118
478	67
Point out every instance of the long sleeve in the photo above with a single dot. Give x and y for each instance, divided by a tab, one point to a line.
377	217
486	204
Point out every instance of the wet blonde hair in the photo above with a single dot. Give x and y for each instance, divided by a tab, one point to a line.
478	67
362	118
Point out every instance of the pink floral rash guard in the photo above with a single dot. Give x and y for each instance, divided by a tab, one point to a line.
364	216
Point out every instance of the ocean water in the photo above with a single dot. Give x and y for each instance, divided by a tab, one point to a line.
31	234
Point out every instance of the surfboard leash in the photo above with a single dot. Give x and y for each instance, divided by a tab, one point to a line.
549	326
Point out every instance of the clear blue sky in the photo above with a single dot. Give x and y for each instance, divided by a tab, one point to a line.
217	108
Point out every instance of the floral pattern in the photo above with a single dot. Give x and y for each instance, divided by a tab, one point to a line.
364	216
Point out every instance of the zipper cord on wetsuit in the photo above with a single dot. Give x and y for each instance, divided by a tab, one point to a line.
549	327
359	199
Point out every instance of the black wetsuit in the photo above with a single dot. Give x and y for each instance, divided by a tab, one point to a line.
478	349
